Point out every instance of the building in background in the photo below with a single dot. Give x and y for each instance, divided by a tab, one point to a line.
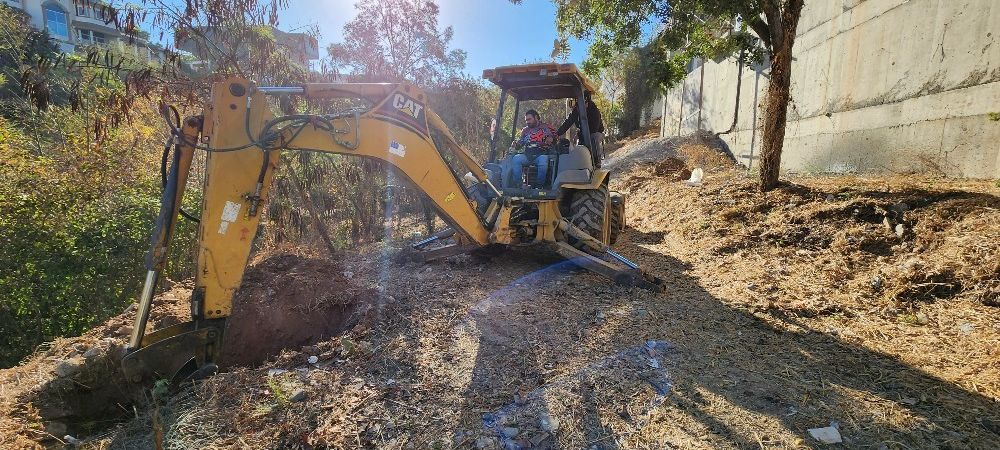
76	24
303	47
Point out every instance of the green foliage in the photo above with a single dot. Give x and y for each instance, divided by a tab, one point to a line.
994	116
67	260
79	190
686	29
626	90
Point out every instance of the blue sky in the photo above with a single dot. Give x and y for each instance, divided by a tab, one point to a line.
492	32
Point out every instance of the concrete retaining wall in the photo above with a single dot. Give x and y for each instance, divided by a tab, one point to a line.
877	85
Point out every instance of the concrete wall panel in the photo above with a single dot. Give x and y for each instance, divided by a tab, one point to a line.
877	85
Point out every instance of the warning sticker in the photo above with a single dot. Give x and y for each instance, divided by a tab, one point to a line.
231	211
397	149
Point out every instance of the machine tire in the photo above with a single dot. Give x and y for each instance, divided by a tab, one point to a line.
590	212
617	212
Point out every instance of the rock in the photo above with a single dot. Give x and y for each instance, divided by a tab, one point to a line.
966	328
876	282
68	368
348	274
830	197
124	330
55	428
310	349
313	359
826	435
297	396
548	423
538	438
483	442
887	223
93	352
275	372
900	230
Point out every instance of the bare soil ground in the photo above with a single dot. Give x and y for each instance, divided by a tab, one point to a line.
867	302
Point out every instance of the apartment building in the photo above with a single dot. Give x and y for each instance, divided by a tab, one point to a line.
76	23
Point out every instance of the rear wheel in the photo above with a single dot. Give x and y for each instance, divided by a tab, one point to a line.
590	212
617	217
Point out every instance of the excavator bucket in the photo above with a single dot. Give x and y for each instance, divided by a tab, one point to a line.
186	351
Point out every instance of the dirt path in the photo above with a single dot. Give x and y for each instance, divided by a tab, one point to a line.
772	325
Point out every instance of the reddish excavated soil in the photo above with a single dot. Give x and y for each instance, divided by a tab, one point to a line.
288	301
75	386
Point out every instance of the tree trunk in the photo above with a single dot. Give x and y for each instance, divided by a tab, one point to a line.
778	94
317	220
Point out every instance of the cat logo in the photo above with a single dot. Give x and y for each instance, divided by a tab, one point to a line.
405	110
407	105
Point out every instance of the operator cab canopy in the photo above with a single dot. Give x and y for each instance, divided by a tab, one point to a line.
544	81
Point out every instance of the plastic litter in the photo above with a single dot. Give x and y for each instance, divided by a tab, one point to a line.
696	176
826	435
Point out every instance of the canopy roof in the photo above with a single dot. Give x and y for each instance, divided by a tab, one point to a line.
540	81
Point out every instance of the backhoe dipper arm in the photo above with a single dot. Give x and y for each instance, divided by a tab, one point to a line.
394	131
243	140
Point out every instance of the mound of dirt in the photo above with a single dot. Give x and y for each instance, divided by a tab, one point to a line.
73	386
703	150
289	301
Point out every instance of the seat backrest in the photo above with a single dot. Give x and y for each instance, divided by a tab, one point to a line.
577	158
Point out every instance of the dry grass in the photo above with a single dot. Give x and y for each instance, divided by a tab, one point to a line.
785	311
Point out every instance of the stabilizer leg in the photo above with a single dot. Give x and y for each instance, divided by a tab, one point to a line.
629	275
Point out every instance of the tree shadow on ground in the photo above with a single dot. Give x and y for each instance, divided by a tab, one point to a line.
750	364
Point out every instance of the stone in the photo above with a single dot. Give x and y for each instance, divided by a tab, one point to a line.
548	423
900	230
56	428
510	432
538	439
483	442
93	352
124	330
297	396
68	368
310	349
826	435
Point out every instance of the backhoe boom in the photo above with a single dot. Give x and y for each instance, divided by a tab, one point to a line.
243	140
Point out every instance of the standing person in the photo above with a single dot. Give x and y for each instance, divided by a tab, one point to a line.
536	138
594	122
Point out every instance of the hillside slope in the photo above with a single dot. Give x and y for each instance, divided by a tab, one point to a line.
869	303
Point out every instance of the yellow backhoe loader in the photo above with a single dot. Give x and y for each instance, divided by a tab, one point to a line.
573	211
